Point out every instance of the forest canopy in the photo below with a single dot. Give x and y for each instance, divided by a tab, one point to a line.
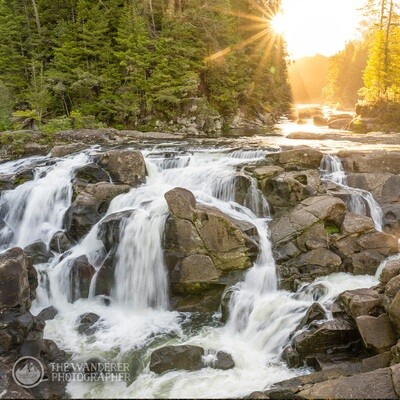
136	63
366	72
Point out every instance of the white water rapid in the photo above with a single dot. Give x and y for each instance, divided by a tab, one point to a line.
359	201
262	317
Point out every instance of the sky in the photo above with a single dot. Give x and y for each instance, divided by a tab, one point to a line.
319	26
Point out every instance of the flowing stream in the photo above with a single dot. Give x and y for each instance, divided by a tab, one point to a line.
359	201
262	317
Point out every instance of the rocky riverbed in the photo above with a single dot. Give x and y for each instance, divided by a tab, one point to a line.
212	270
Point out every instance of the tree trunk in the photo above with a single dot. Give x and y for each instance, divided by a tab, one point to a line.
37	18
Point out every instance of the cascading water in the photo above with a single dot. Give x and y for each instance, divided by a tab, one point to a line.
360	201
35	210
262	317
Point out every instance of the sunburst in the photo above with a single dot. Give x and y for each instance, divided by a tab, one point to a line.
266	25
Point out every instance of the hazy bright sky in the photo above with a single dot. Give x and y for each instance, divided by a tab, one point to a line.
319	26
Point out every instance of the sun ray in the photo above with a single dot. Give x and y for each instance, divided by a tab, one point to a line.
239	14
238	46
253	27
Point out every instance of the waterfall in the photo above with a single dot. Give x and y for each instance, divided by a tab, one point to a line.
140	275
261	317
35	210
359	201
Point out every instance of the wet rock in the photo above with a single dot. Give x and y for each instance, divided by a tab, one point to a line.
315	313
125	166
67	149
345	362
297	159
204	302
223	361
39	252
376	362
109	228
169	358
17	279
241	186
181	203
61	242
86	136
319	236
225	301
21	334
92	173
268	171
373	162
391	270
81	273
86	324
89	207
105	278
377	332
203	246
372	385
330	335
10	182
394	311
393	287
342	123
195	273
320	121
287	189
48	313
290	388
354	223
361	302
391	218
291	357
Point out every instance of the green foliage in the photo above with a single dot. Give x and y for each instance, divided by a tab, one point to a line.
57	124
345	74
16	140
80	121
332	229
6	102
129	63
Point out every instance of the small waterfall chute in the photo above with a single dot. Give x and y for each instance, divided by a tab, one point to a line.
359	201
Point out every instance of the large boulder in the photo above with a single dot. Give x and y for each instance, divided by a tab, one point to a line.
204	248
369	385
394	311
18	279
67	149
109	231
125	166
39	252
372	162
361	302
170	358
297	159
109	228
377	332
92	173
319	236
286	190
61	242
335	335
340	123
21	333
90	206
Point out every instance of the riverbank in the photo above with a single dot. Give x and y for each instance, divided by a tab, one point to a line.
29	143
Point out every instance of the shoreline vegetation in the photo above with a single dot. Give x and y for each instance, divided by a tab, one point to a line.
151	66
